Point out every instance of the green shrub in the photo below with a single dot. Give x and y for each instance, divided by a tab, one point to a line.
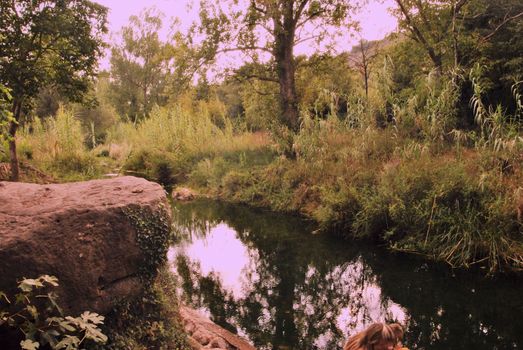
209	172
75	166
36	314
160	166
434	207
338	209
235	182
56	145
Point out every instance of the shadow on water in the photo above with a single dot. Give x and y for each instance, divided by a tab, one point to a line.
266	277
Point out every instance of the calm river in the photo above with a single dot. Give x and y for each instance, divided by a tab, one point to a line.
268	278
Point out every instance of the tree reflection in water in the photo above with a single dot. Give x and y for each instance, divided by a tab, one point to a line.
290	289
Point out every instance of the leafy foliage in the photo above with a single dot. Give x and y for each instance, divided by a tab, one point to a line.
66	52
140	67
47	43
41	321
6	116
154	238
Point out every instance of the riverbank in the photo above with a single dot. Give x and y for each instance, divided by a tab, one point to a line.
453	204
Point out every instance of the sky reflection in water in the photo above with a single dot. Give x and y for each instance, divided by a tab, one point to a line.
218	251
221	252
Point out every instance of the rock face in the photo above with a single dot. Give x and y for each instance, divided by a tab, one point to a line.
80	233
204	334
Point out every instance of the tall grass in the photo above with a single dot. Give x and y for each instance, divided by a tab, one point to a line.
166	146
57	145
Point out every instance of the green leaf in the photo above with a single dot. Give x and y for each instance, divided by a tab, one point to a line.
94	333
28	284
92	317
29	345
69	342
52	280
33	311
67	326
63	324
53	332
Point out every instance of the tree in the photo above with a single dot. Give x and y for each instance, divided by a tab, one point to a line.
362	56
430	22
495	32
324	84
47	43
457	35
272	28
140	66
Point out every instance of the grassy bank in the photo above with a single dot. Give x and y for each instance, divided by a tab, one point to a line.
448	202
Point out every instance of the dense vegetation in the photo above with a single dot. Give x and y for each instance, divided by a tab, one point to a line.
413	141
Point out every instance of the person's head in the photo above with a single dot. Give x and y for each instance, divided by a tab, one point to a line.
378	336
398	332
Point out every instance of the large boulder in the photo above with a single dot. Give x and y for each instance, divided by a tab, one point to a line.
98	237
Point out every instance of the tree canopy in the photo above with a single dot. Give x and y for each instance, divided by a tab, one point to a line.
270	29
47	43
141	66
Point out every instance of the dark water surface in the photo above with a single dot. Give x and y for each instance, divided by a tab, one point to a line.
268	278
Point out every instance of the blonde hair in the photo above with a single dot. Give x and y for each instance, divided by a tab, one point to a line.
375	333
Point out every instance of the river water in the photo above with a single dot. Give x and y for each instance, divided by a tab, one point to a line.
270	279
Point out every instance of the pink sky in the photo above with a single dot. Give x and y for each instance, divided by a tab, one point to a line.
375	20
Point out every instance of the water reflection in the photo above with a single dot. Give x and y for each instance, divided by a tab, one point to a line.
268	278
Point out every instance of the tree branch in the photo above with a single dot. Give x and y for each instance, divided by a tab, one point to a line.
299	11
244	48
425	20
460	4
419	35
299	41
310	17
504	22
256	8
248	76
256	90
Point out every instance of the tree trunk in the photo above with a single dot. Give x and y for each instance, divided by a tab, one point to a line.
288	96
438	64
13	127
457	57
366	77
286	68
